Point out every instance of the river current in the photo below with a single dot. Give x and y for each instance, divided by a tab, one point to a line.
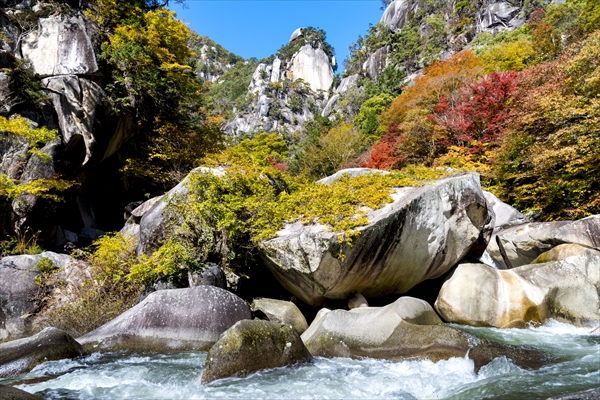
575	366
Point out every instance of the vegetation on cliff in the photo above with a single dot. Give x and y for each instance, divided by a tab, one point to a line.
519	109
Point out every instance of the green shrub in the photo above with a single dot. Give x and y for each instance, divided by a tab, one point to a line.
46	265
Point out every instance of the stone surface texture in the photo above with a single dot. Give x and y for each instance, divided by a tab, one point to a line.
313	67
157	222
283	312
60	46
22	355
20	296
396	14
76	101
251	346
171	320
521	244
565	290
423	233
407	328
11	393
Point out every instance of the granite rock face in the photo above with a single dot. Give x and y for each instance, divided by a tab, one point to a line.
60	46
286	93
171	320
498	16
313	67
76	101
376	62
396	14
251	346
423	233
157	222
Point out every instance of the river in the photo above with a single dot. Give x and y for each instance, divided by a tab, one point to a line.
575	366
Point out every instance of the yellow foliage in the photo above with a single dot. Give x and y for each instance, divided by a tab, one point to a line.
333	150
20	126
173	259
514	55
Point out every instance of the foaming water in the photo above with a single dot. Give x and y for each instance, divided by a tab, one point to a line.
177	376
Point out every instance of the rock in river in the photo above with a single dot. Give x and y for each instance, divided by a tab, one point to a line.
423	233
173	319
22	355
284	312
566	290
250	346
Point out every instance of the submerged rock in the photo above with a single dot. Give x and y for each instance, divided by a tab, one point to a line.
22	355
283	312
423	233
407	328
11	393
172	319
592	394
566	290
251	346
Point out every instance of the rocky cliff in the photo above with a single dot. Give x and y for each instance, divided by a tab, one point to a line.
51	79
413	33
288	90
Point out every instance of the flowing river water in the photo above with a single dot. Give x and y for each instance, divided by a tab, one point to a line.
574	366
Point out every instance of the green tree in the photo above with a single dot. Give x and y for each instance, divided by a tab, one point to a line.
333	150
368	117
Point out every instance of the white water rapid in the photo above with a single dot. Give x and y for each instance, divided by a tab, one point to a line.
573	365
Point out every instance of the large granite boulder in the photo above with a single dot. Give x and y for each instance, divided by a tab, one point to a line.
60	46
171	320
313	66
76	101
504	214
407	328
565	290
20	296
520	244
22	355
251	346
421	235
283	312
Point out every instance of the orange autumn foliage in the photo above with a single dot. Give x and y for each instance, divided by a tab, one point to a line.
410	136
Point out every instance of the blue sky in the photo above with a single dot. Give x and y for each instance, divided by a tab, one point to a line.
259	28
